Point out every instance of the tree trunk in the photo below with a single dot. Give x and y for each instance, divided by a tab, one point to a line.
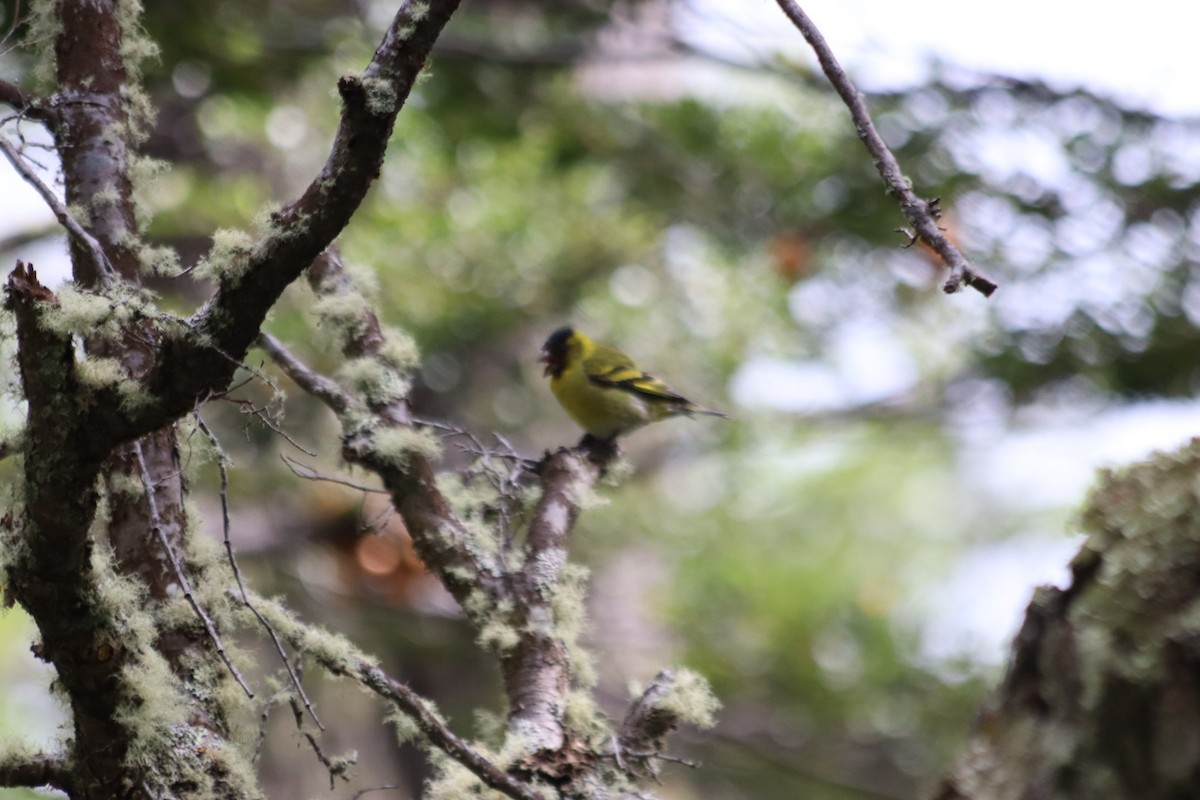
1102	696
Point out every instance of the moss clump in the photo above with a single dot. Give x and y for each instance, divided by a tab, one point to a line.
397	446
344	315
373	381
382	99
229	257
86	313
691	700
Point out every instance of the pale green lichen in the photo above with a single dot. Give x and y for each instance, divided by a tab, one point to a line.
86	313
584	716
690	699
162	261
332	651
382	100
123	485
373	381
344	315
400	350
568	600
144	174
151	706
135	396
452	781
397	446
131	625
497	633
418	10
404	726
229	257
107	196
99	373
44	27
474	502
618	471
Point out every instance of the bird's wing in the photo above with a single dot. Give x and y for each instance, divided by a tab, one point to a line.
613	369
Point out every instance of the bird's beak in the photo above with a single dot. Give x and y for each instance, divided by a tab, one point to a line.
544	358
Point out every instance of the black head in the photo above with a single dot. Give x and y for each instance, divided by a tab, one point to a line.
554	351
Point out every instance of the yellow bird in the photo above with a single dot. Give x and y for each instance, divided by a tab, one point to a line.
604	391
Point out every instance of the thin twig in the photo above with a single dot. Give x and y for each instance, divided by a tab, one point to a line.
77	231
659	756
921	215
337	769
248	407
309	474
222	469
16	19
181	576
264	718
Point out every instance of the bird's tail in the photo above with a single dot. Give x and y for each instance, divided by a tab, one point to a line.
711	412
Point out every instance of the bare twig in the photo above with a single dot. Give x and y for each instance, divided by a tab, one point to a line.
223	470
309	474
181	576
337	767
77	231
922	215
248	408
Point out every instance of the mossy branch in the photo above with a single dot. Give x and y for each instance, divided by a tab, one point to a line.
19	767
338	657
518	610
201	357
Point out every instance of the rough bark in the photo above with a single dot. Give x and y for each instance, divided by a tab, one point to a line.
80	438
1102	696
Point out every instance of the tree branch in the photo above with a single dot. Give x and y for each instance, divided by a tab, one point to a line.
439	536
327	391
77	232
33	770
537	671
342	659
27	105
202	358
921	214
536	667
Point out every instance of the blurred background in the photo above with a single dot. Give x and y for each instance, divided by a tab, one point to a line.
848	557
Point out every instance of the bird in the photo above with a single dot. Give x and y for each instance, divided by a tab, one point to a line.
604	390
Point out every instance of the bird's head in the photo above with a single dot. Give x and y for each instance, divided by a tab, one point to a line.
557	349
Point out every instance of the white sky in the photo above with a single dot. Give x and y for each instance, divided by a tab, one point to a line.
1146	54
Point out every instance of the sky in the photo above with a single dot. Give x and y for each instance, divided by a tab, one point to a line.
1144	55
